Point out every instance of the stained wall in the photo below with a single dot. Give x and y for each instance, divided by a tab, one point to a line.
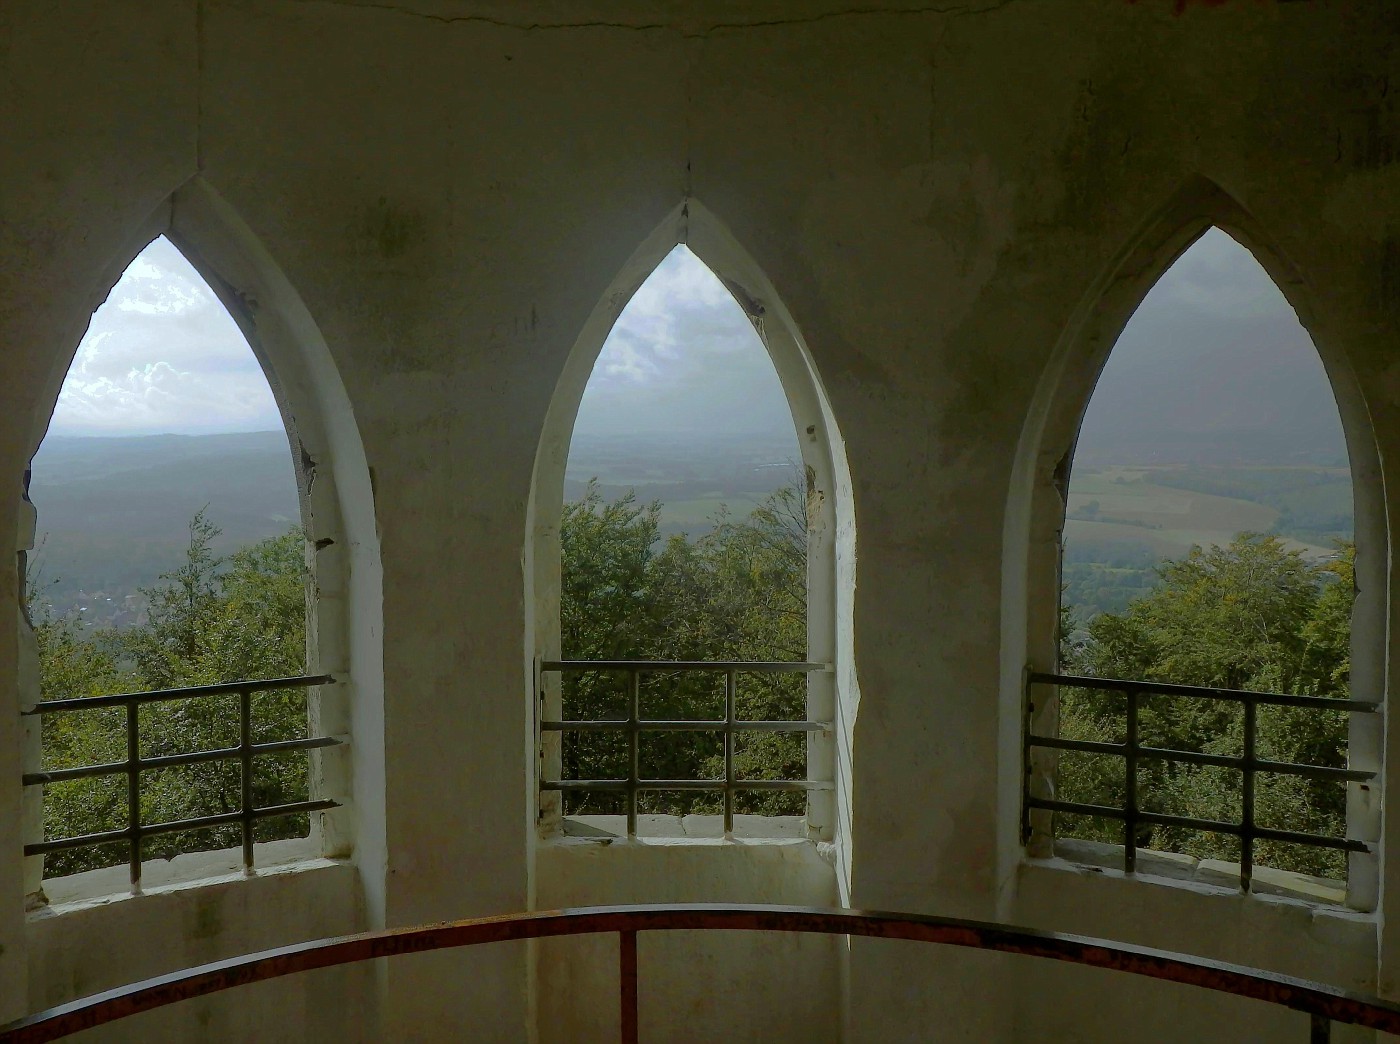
938	193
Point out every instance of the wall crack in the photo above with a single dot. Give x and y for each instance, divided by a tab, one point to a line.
713	29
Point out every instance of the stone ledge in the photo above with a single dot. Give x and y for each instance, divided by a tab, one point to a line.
680	828
190	870
1218	873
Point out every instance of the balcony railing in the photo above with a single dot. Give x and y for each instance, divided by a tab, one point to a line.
635	724
248	813
1323	1004
1134	752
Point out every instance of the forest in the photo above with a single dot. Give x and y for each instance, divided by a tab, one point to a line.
1253	614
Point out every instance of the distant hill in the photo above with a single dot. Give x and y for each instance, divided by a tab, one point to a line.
114	512
692	474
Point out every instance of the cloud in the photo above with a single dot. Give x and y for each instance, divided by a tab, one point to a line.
1217	276
682	356
162	355
1214	357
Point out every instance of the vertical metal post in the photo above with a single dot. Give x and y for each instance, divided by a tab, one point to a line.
728	753
1321	1030
133	790
1247	798
627	985
634	717
245	758
1026	760
1130	801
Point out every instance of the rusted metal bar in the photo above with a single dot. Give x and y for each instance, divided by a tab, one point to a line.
685	725
133	792
1248	764
150	829
1276	699
134	765
634	714
1344	844
728	753
1321	1030
1283	768
188	692
1247	800
1130	800
627	985
116	768
245	752
661	666
634	725
715	785
1322	1002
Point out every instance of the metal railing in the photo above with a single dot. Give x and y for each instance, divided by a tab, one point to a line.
1133	752
134	764
634	725
1323	1004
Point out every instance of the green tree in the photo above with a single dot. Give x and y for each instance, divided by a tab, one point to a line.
1252	615
736	593
211	619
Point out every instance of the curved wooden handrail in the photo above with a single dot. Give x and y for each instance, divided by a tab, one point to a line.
1324	1003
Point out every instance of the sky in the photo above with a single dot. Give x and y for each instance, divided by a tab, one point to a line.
1214	353
162	355
683	357
1214	347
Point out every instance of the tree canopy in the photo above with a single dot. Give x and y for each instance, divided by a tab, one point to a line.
210	620
739	592
1252	615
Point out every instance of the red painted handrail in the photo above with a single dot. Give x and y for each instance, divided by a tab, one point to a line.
1324	1003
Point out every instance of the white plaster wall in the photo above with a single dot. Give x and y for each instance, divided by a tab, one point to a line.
80	949
692	985
450	187
1061	1003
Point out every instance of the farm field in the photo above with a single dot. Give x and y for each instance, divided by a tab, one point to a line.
1122	503
693	477
1123	520
113	512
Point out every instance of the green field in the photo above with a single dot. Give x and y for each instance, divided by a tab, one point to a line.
692	476
1121	521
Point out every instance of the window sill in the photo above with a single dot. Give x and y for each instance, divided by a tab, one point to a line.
611	828
1209	876
94	888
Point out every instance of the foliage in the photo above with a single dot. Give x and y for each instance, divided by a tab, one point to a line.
736	593
1252	615
212	619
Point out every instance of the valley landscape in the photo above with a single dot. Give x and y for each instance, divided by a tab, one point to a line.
114	512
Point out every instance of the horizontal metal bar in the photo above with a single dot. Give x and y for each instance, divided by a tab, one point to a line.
1278	699
660	666
1282	768
176	825
1081	746
1208	825
109	768
1257	765
711	785
189	692
685	725
1311	998
101	838
117	768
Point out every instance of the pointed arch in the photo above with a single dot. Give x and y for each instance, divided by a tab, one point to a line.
344	602
831	554
1035	512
